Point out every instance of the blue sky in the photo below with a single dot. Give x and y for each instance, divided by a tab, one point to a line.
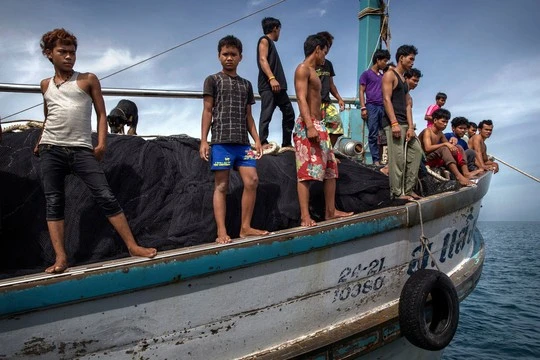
482	53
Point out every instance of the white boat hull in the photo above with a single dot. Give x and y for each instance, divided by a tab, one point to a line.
333	288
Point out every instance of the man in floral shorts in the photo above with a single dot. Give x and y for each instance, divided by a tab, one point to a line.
315	158
330	115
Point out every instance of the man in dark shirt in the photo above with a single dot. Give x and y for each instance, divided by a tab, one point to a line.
227	109
404	149
272	84
330	116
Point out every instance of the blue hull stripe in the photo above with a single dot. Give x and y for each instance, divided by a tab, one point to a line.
166	271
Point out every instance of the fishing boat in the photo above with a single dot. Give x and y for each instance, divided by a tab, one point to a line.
384	283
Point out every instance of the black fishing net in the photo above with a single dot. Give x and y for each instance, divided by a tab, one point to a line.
166	192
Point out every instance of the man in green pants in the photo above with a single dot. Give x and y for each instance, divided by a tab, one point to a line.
404	150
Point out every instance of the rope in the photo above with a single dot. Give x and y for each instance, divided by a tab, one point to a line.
424	240
23	127
437	176
21	111
402	190
170	49
385	29
516	169
384	34
370	11
194	39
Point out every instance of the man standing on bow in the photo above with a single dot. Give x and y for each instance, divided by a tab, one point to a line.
404	149
272	84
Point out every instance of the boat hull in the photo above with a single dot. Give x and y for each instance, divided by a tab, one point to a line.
326	292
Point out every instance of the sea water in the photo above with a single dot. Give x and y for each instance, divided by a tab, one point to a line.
501	318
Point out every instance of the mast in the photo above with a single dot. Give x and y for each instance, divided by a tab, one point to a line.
369	28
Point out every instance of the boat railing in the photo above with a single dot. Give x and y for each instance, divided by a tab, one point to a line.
160	93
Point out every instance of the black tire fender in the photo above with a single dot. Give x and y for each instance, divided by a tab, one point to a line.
429	310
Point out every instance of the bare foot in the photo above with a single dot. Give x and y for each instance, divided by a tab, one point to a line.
225	239
252	232
339	214
58	267
415	196
466	182
405	197
143	252
474	173
308	222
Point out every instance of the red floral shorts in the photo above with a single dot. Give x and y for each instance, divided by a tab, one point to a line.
314	161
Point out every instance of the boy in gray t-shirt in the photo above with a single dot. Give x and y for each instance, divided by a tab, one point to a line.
227	110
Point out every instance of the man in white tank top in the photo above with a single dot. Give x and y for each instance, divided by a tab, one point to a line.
65	145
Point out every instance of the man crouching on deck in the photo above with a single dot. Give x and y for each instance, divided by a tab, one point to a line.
65	145
227	109
315	158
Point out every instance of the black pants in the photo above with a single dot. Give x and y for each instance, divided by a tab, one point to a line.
59	161
269	101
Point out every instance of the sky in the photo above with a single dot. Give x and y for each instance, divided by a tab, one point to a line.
483	54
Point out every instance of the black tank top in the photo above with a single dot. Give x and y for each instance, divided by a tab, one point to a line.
275	65
399	102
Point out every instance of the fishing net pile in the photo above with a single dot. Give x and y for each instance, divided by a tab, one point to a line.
166	192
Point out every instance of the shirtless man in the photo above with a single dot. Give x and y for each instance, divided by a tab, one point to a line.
440	152
478	144
315	160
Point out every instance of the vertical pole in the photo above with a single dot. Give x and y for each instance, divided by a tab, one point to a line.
369	28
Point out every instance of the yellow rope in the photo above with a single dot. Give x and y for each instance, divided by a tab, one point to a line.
22	127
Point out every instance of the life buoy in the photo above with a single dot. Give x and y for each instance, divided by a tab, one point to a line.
429	309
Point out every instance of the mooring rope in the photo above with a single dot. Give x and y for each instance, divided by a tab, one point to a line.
404	171
516	169
424	240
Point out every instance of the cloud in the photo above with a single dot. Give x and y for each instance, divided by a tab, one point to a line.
500	95
256	2
317	12
169	116
111	60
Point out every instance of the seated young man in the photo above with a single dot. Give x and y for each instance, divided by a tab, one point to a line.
471	131
478	143
459	128
440	152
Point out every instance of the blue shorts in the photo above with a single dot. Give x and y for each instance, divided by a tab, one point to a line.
228	156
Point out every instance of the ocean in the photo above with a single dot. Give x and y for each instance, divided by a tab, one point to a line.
501	318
